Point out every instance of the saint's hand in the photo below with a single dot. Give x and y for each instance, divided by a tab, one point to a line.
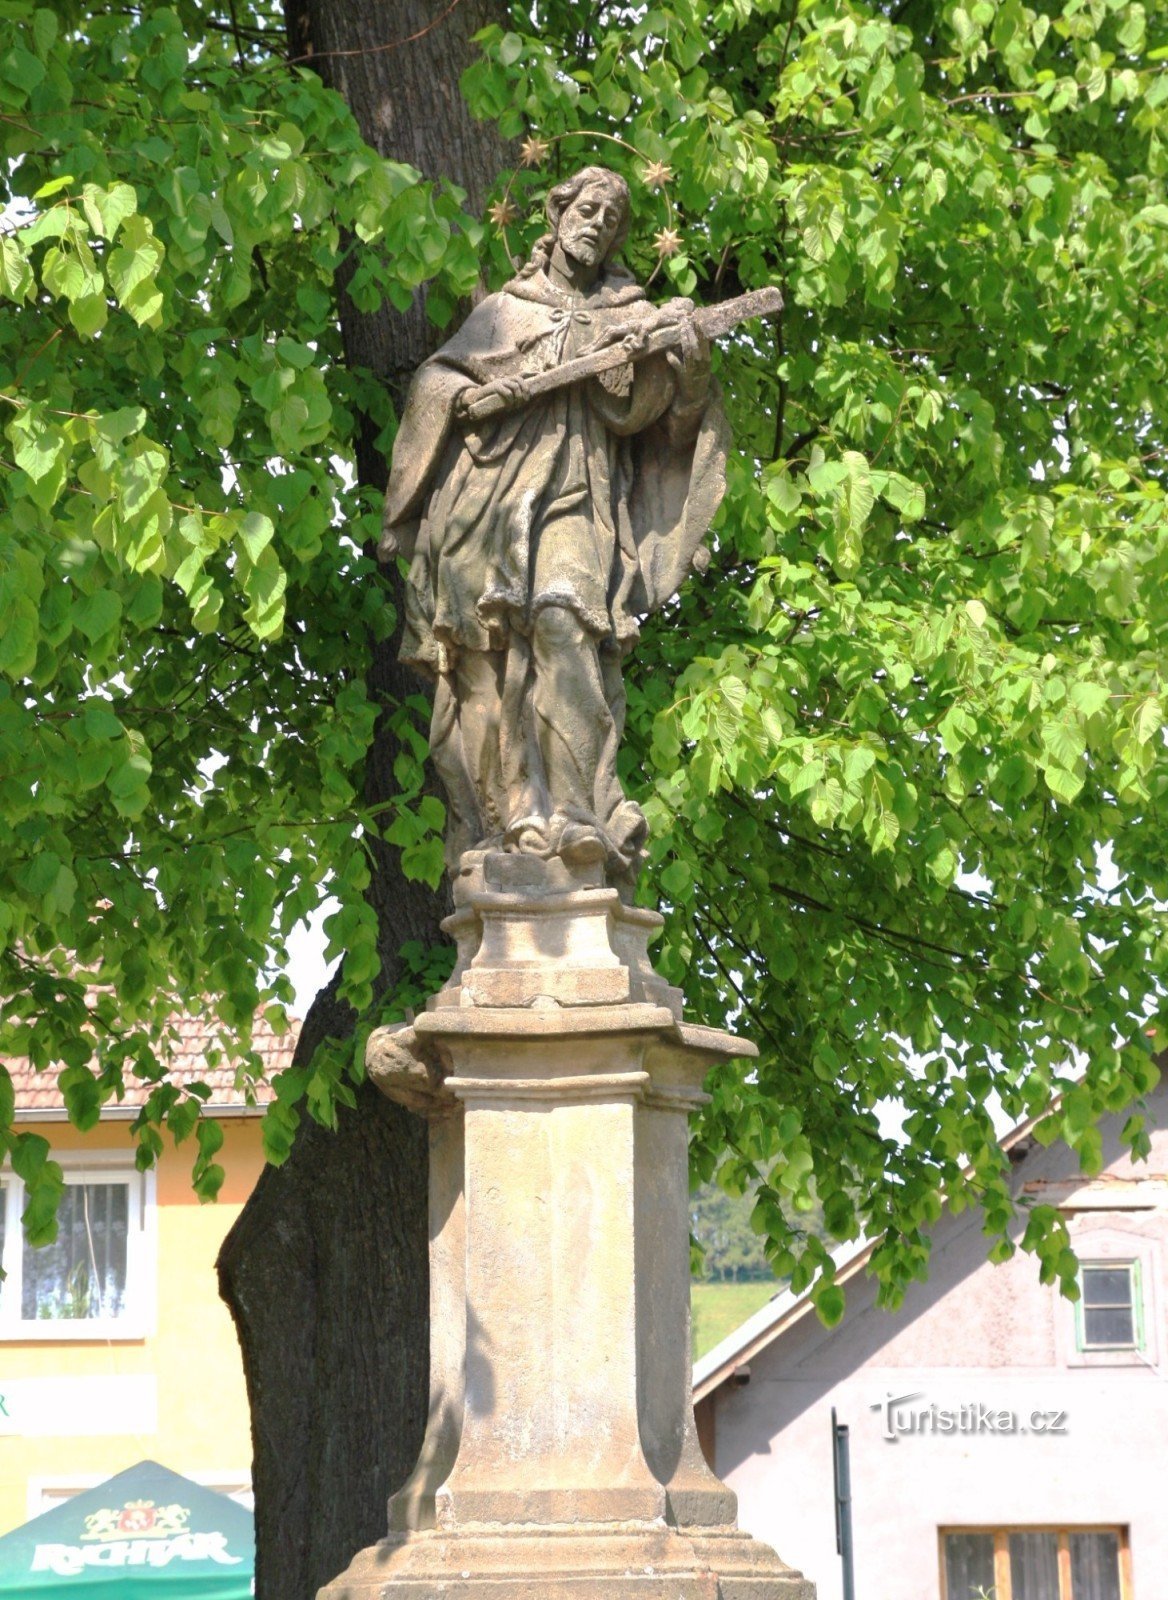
512	392
691	364
631	340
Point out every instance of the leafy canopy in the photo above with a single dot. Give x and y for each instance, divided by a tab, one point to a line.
186	616
902	747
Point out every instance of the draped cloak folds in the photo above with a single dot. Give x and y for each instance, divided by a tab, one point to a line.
471	509
593	497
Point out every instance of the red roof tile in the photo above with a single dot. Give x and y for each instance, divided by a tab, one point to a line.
38	1091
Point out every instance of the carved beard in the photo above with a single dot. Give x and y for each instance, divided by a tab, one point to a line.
588	251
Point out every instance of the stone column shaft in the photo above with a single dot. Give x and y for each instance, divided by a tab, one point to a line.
551	1428
413	1506
664	1366
561	1460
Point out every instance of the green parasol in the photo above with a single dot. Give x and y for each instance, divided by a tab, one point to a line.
146	1534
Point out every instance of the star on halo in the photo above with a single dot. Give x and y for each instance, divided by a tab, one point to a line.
503	213
656	174
533	151
667	241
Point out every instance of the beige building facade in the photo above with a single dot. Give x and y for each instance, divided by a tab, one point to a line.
114	1344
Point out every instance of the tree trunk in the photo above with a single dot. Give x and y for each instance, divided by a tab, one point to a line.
325	1271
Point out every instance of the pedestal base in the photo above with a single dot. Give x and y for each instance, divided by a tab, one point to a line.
561	1460
572	1562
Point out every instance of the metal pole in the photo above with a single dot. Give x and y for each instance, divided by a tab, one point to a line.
842	1472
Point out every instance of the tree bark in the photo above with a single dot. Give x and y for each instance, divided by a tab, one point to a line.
325	1271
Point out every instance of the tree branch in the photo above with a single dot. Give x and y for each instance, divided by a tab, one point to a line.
802	440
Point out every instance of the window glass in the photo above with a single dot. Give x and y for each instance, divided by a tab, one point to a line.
1108	1307
969	1565
1034	1566
1095	1566
1031	1563
1108	1286
82	1274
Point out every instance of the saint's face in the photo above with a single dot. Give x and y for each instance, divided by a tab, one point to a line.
589	226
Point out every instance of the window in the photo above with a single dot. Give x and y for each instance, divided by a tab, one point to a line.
92	1281
1035	1564
1108	1315
46	1494
1115	1321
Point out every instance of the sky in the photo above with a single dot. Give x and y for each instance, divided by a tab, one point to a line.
306	964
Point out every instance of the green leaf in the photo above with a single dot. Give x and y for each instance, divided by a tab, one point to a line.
89	314
82	1097
907	497
44	1185
676	880
1064	785
1064	743
783	493
97	614
39	444
255	534
1148	719
860	494
71	272
265	585
117	426
830	1305
107	209
100	721
44	30
54	185
16	280
132	269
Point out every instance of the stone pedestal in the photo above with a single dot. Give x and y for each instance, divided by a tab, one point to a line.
561	1459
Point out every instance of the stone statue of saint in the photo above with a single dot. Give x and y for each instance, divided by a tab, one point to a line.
537	538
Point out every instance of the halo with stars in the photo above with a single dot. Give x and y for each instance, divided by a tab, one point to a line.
655	175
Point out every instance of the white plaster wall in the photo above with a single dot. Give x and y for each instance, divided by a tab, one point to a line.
973	1334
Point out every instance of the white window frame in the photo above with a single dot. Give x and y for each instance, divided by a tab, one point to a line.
46	1493
137	1320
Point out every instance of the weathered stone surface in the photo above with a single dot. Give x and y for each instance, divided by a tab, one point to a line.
534	932
541	522
543	516
393	1062
414	1504
571	1562
562	1457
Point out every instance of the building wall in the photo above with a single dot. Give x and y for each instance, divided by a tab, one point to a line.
175	1395
974	1335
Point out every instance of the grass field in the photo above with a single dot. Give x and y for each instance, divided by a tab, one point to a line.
719	1308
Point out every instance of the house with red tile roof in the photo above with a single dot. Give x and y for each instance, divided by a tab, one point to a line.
114	1344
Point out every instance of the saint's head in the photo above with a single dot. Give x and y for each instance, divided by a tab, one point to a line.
589	218
589	215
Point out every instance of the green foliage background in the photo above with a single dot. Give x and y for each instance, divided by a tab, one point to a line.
725	1245
902	748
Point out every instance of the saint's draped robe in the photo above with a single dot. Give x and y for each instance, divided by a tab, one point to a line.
593	498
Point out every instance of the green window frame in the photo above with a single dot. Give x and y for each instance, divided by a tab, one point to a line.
1086	1303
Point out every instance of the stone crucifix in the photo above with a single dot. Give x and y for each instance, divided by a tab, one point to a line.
542	519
